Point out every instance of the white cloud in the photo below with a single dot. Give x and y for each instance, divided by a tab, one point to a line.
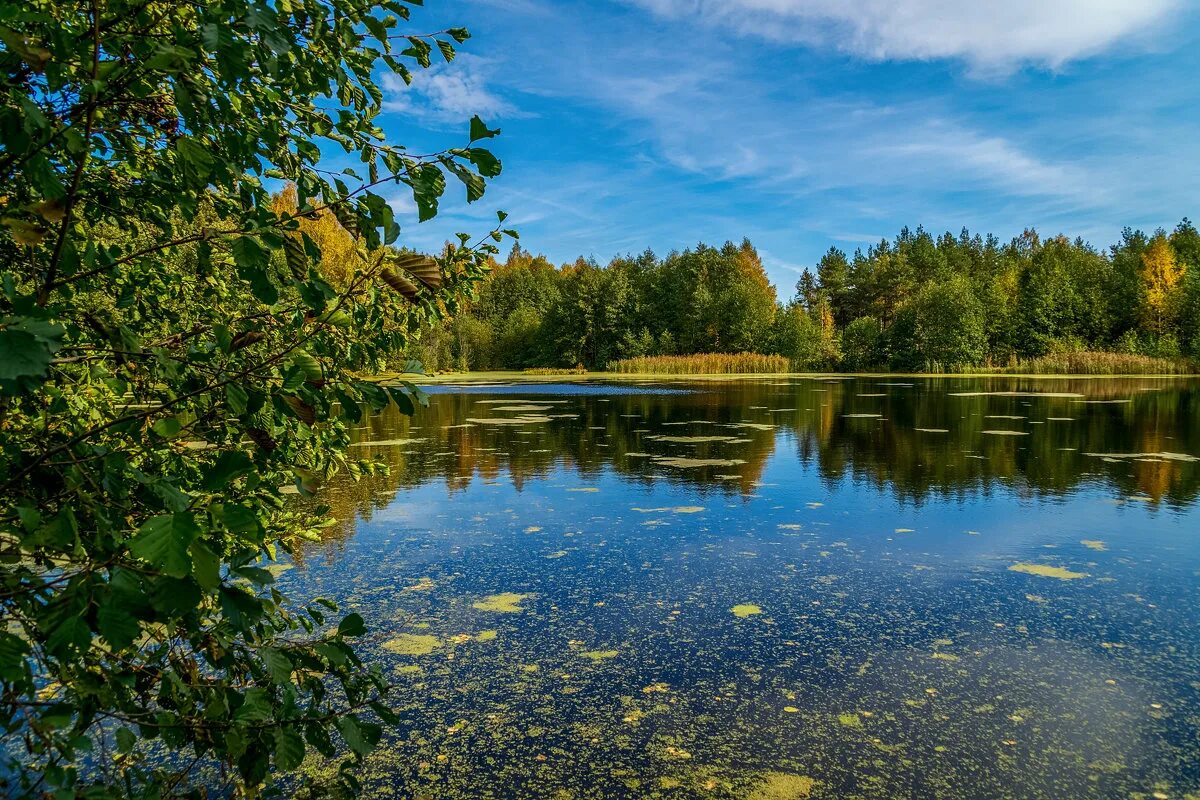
448	92
990	35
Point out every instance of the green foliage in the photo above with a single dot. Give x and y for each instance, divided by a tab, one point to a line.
943	328
174	364
800	336
863	345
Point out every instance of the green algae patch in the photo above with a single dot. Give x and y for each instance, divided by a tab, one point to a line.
850	720
503	603
744	610
783	786
486	636
1093	544
412	644
1046	571
600	655
945	657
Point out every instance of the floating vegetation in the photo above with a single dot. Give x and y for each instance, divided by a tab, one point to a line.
584	489
503	603
1005	433
861	416
525	420
486	636
600	655
523	407
1047	571
1015	394
690	463
412	644
1164	456
932	430
670	509
744	610
783	786
692	439
387	442
850	720
1093	544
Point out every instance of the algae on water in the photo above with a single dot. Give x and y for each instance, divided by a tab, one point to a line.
1046	571
503	603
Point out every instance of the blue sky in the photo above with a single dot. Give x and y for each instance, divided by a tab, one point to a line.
803	124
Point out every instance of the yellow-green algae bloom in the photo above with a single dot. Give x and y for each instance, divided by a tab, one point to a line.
504	603
412	644
1046	571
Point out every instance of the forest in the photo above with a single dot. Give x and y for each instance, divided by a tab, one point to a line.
916	303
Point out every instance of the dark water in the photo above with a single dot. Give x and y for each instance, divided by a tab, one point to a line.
782	588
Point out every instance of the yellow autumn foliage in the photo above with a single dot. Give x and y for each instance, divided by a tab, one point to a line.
1161	275
339	256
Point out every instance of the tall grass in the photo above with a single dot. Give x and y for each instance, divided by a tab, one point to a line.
702	364
1095	362
579	370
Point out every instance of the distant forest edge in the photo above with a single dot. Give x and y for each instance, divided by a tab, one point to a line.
917	303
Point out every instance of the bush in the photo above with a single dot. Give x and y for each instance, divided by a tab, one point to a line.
862	345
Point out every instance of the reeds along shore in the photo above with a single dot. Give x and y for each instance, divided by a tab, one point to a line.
703	364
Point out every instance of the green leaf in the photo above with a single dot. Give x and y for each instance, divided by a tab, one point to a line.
481	131
360	736
229	465
206	566
256	706
196	161
488	165
163	543
352	625
69	637
126	740
26	349
237	518
278	665
167	427
13	650
308	365
237	398
253	262
289	749
118	627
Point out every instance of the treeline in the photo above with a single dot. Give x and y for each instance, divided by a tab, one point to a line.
917	302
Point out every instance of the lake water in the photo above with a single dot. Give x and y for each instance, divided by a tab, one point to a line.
879	587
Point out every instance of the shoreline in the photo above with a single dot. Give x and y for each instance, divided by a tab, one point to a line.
574	377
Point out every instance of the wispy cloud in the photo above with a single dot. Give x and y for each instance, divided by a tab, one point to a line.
990	35
449	92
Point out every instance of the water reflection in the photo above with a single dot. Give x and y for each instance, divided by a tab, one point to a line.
875	587
926	441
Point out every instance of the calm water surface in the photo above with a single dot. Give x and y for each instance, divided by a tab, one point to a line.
785	588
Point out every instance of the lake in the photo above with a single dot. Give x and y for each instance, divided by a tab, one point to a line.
828	587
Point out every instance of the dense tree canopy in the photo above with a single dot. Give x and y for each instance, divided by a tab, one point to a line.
182	349
914	303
